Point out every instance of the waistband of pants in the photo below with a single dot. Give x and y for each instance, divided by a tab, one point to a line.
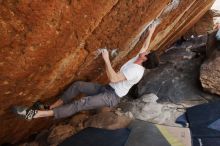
108	87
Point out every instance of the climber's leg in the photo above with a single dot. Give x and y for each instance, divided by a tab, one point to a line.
58	103
48	113
108	98
75	89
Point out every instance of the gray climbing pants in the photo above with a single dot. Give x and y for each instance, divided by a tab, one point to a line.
96	96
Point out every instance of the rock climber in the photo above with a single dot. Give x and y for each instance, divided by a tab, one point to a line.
97	95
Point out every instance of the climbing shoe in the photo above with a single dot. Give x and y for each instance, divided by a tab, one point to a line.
30	114
25	112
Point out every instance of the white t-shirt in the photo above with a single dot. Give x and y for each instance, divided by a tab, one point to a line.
133	73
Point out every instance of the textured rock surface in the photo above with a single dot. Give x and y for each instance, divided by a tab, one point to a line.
64	129
212	43
205	24
108	120
148	109
176	80
30	144
60	133
210	73
45	45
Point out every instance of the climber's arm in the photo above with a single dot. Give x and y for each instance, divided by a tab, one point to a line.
147	42
112	75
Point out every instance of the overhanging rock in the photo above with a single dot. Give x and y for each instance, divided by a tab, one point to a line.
45	45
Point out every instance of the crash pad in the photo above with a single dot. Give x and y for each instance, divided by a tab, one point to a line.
204	124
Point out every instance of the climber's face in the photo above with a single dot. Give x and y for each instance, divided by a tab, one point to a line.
143	56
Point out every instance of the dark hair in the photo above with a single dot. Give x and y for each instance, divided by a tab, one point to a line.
152	61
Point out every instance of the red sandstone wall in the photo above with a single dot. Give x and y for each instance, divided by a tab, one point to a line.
45	45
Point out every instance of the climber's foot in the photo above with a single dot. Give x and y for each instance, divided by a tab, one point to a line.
25	112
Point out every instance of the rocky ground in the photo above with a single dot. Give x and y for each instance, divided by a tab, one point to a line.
162	95
64	129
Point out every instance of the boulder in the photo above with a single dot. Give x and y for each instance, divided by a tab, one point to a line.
60	133
148	109
77	121
210	73
108	120
30	144
205	24
46	45
212	43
